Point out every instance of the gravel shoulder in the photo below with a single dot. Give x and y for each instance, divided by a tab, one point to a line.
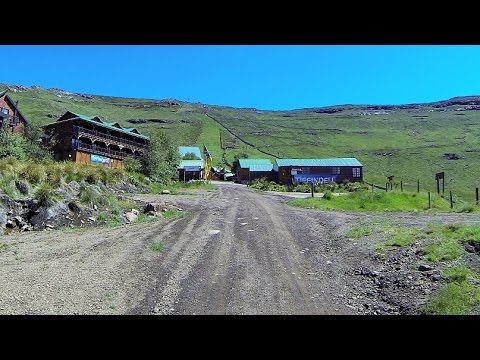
236	251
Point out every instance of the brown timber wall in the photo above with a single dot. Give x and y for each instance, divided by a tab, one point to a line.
84	158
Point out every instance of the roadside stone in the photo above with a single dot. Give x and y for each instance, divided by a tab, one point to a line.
424	267
19	221
73	206
135	211
10	224
149	207
95	207
49	226
436	277
92	219
131	217
469	248
26	228
165	192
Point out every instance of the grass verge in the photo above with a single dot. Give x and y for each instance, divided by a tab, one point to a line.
377	201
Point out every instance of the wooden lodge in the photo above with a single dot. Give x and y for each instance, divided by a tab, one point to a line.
251	169
10	116
297	171
91	140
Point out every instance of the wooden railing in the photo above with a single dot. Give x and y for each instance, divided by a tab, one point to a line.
100	150
77	130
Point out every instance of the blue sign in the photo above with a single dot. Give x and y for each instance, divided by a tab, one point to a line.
191	168
313	178
99	159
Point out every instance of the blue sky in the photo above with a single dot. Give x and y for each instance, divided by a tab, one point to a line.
267	77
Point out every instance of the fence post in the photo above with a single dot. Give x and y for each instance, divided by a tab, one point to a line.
429	201
476	196
312	189
401	186
451	200
438	186
372	187
418	186
386	187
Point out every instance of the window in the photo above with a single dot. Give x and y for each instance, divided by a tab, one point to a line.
336	170
4	111
356	172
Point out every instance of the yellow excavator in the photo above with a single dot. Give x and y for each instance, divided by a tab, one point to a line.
208	162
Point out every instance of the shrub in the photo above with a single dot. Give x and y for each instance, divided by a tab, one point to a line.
46	195
132	165
161	159
327	195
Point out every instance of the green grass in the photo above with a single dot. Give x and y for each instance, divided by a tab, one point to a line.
145	218
407	143
157	247
447	239
459	296
455	299
359	231
173	214
376	201
458	273
402	237
444	249
3	247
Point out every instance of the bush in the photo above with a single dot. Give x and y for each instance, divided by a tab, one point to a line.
190	156
161	159
12	145
132	165
466	208
46	195
327	195
264	184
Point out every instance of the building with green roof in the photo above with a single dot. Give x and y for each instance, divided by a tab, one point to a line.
296	171
251	169
92	140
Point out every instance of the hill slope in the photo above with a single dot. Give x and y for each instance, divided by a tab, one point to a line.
407	141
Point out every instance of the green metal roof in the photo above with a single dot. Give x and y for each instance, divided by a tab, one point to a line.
189	149
318	162
185	163
247	163
261	167
114	125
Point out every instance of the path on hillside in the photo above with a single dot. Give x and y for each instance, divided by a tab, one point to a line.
237	251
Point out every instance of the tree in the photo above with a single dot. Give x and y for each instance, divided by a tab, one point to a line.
13	145
35	148
236	163
162	158
190	156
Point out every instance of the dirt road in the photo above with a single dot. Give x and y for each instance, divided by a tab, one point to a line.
236	251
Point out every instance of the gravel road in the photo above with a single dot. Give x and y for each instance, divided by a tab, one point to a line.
236	251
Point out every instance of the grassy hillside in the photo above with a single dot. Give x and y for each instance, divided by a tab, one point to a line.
408	142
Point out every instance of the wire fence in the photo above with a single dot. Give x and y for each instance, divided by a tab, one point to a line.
417	187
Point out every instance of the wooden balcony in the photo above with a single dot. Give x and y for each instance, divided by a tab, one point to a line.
110	139
94	149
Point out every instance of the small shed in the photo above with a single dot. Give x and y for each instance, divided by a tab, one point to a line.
297	171
189	168
251	169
